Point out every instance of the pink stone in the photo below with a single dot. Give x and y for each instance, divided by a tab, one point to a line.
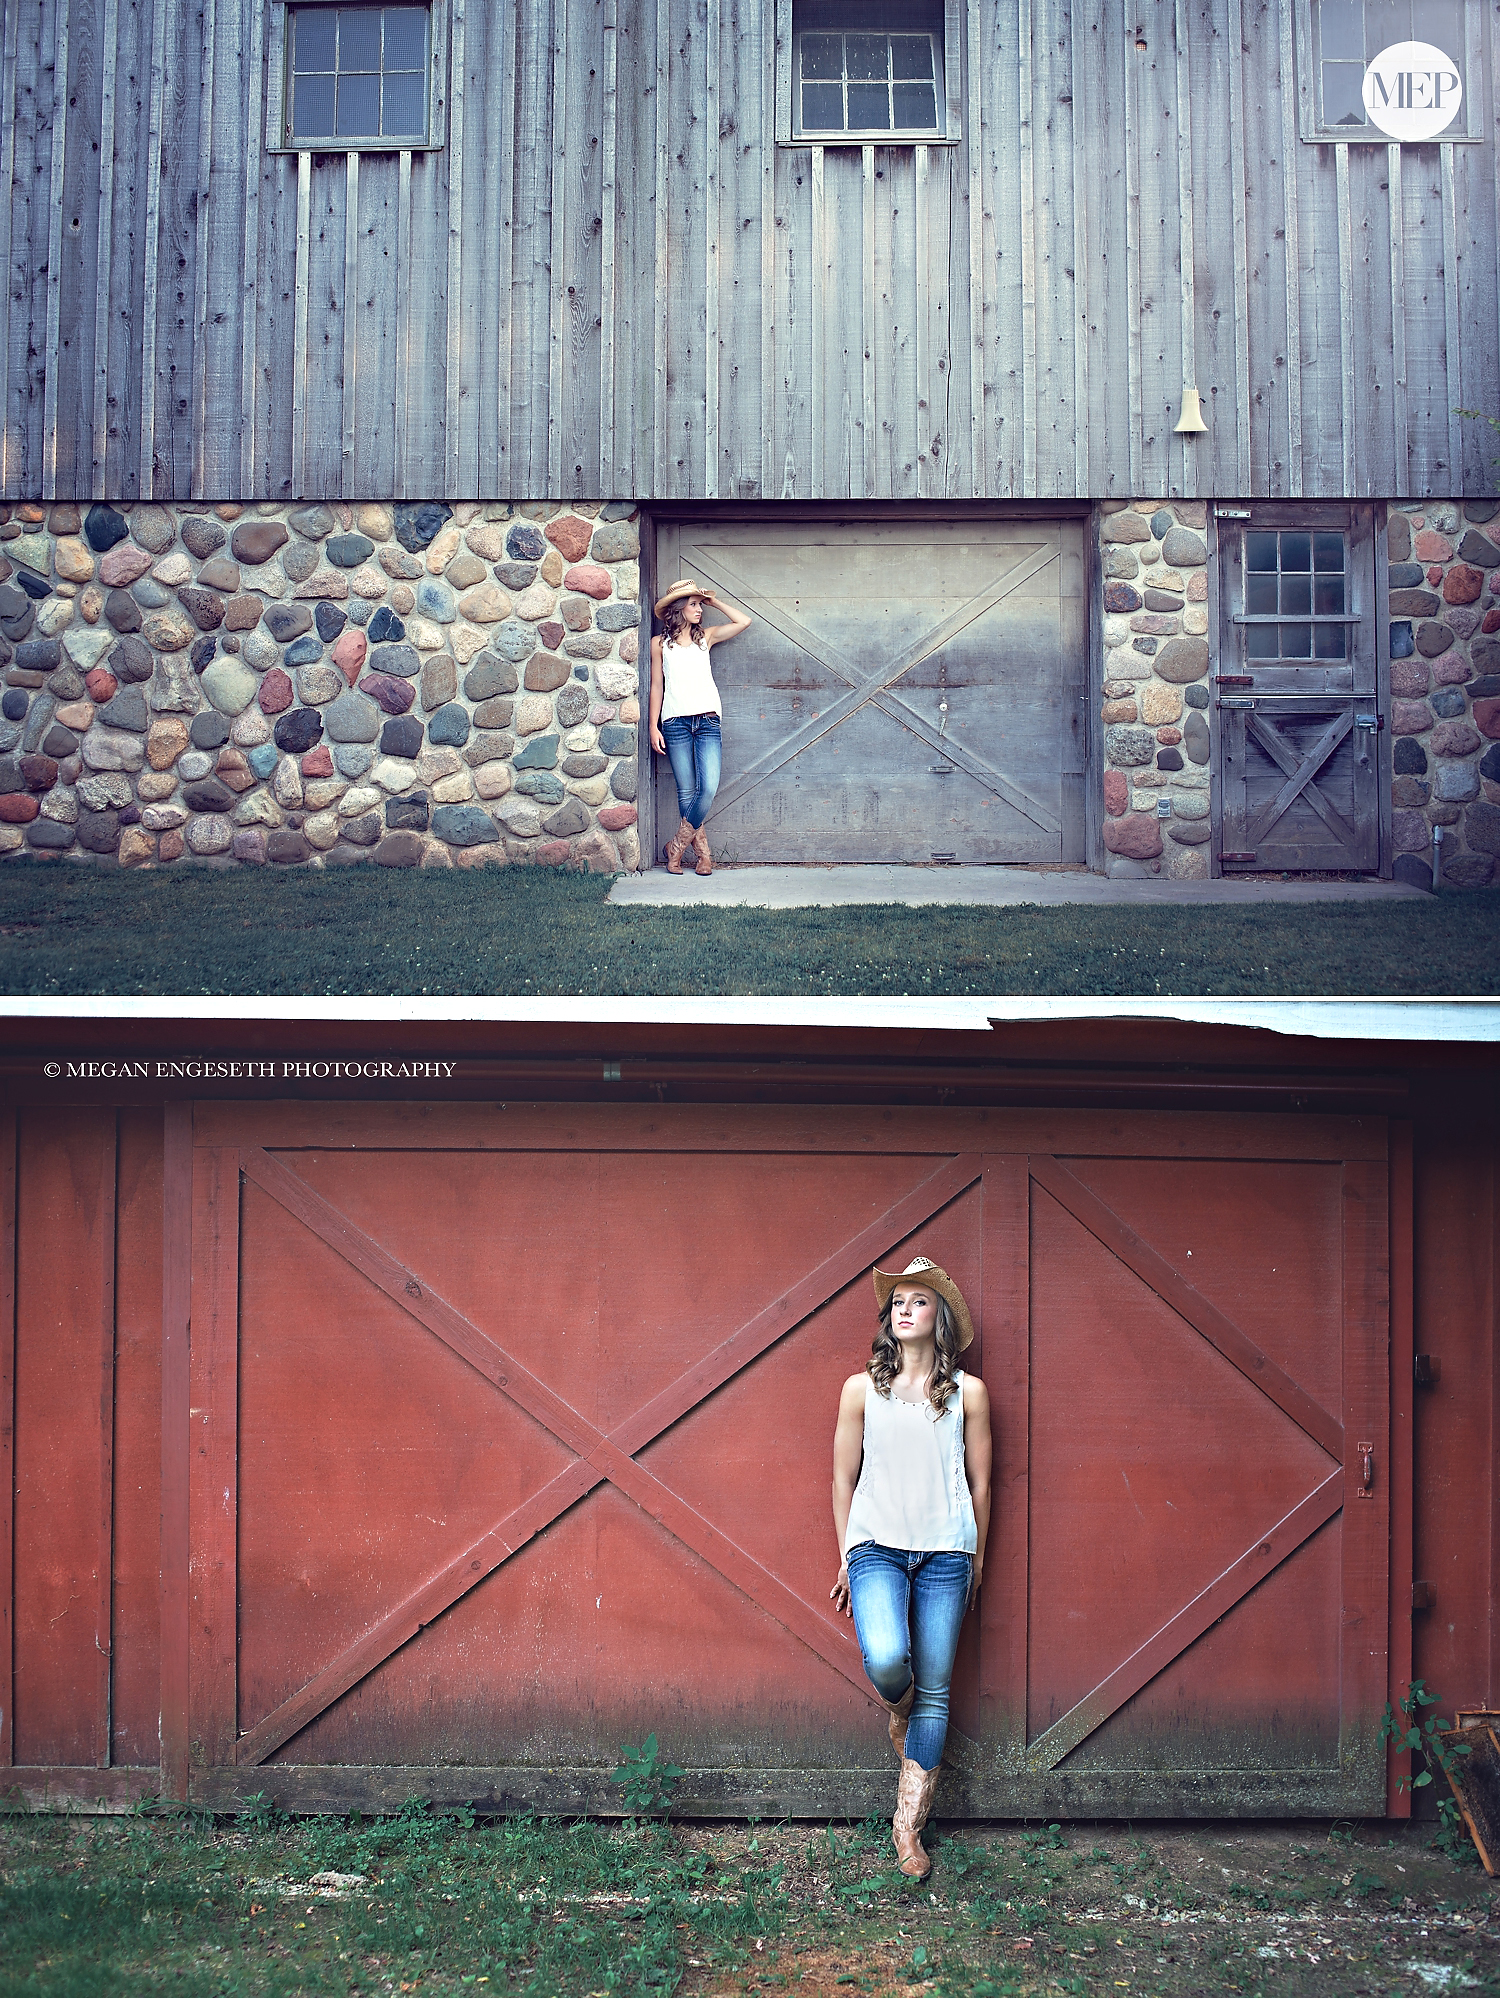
171	846
275	692
318	762
1450	669
1409	832
1491	619
1430	546
601	712
553	853
123	564
589	578
17	809
394	695
102	685
1410	717
349	652
1160	624
615	818
1453	738
325	583
1169	737
1487	718
629	647
1462	584
1408	677
1435	572
1116	792
570	536
1137	835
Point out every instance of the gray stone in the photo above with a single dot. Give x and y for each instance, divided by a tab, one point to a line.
541	785
1455	783
1482	827
209	731
298	729
38	655
572	705
286	621
1162	600
229	685
150	594
494	714
348	551
401	736
407	814
1448	702
1432	639
1408	757
1196	697
515	576
587	763
1189	832
211	833
209	794
539	753
1195	739
1182	549
525	544
513	640
1127	746
67	683
589	645
487	745
105	749
623	780
435	600
103	527
1479	550
569	818
618	617
194	763
619	510
464	825
1405	575
40	728
352	759
404	661
617	739
1468	870
449	726
98	832
304	651
617	541
133	661
107	791
416	525
126	710
490	675
1412	870
617	681
51	833
1161	521
1183	659
299	561
286	846
519	817
154	528
312	522
353	717
202	535
317	684
1398	538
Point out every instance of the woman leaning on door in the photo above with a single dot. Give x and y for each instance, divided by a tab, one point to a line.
686	711
911	1504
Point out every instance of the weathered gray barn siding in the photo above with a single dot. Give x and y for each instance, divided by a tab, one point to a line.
611	280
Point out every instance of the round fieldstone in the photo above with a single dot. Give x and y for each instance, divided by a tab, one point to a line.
394	696
1169	759
256	541
38	655
1402	642
616	541
299	561
403	661
1121	597
1405	575
618	617
623	780
53	834
208	794
488	676
586	763
1195	737
525	544
202	535
1161	521
464	825
1408	757
1412	870
286	847
101	793
14	704
121	611
352	718
363	831
301	728
229	685
1414	603
1482	827
416	526
545	673
540	753
303	651
1448	702
569	818
1468	870
262	759
126	710
59	742
1478	549
1455	783
1135	836
400	849
515	576
513	640
204	607
195	764
1182	659
1125	526
98	832
330	621
572	705
202	652
450	726
408	814
435	600
317	684
287	621
385	627
312	522
352	759
1122	745
1452	738
348	551
103	527
543	785
401	736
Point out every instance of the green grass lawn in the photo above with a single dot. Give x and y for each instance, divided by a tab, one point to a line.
417	1903
77	930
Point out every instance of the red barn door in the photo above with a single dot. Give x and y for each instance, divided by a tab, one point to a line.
511	1434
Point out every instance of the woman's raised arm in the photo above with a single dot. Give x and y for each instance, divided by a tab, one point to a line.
739	620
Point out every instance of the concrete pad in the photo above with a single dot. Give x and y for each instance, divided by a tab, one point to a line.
979	887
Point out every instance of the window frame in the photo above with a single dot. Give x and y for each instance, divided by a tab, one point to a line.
1467	129
279	84
951	56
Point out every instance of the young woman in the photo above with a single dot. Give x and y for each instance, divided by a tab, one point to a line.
911	1505
686	710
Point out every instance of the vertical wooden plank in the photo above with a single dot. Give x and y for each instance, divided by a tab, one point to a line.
1345	314
213	1453
1375	546
1403	1492
57	156
1030	355
1005	1314
795	282
1238	167
867	319
1188	318
1083	405
104	1570
402	485
557	318
502	174
1452	326
974	477
299	327
1294	274
9	431
135	1646
1364	1634
452	363
7	1421
1134	284
783	72
176	1401
151	252
712	225
660	320
769	65
818	308
349	385
611	485
203	257
250	268
1397	233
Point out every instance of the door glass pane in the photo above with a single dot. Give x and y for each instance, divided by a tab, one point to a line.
915	109
1328	551
1343	93
359	107
405	107
1296	551
822	56
1260	641
911	55
1328	596
822	107
1296	594
1341	28
312	39
312	107
869	107
359	38
866	56
1260	596
1332	641
1260	551
1296	641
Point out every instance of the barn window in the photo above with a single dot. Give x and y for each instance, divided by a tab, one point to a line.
1340	38
358	78
865	72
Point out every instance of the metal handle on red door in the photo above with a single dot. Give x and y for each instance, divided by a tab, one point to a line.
1367	1470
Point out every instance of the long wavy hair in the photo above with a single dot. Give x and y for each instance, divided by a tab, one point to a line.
675	625
885	1356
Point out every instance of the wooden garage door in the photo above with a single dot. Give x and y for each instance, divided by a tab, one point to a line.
511	1434
907	690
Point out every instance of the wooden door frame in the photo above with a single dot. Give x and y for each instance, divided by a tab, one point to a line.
998	1151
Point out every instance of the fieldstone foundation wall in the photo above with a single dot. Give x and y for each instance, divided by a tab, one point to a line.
321	685
1156	663
1445	688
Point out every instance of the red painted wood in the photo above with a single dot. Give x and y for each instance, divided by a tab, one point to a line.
136	1700
1006	1316
104	1615
1365	1627
1403	1348
176	1397
64	1326
7	1421
213	1476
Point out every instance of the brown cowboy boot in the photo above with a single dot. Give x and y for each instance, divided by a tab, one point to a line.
677	846
900	1713
914	1794
700	847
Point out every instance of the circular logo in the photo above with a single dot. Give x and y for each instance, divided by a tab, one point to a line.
1412	91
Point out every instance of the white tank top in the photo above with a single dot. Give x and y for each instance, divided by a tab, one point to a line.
687	681
912	1492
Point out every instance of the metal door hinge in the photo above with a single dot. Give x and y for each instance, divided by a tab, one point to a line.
1423	1596
1231	513
1366	1486
1234	679
1236	856
1427	1369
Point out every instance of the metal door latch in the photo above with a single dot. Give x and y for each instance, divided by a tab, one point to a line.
1375	723
1366	1487
1236	700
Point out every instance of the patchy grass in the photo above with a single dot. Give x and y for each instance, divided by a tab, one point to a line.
68	930
540	1907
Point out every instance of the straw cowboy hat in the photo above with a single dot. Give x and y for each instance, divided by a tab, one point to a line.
932	1278
682	589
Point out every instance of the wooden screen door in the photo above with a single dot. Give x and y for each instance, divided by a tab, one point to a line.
1299	703
511	1432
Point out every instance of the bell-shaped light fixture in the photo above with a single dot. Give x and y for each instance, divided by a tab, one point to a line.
1190	423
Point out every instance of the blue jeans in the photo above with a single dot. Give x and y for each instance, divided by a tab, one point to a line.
908	1610
695	751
